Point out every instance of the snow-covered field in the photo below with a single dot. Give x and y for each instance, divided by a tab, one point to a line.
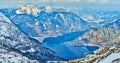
110	58
14	57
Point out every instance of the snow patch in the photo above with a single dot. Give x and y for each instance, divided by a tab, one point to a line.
4	18
31	50
29	9
110	58
91	18
48	9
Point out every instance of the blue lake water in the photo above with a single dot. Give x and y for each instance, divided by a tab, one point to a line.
59	45
72	52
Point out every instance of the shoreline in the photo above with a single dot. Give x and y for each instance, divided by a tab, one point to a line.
100	55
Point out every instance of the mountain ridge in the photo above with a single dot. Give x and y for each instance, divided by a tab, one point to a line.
14	39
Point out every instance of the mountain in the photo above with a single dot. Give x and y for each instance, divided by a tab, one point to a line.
13	39
45	24
14	57
98	18
108	35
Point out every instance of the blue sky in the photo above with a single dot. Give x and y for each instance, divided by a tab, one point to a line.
102	4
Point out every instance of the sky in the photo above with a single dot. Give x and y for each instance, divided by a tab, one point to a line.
101	4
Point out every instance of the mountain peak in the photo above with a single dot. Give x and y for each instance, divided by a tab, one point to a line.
48	9
28	9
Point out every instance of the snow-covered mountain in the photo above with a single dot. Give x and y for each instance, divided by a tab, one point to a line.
13	39
8	56
108	35
98	18
45	24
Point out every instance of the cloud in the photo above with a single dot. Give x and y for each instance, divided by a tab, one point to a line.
90	1
96	1
63	1
82	1
104	1
66	1
75	1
